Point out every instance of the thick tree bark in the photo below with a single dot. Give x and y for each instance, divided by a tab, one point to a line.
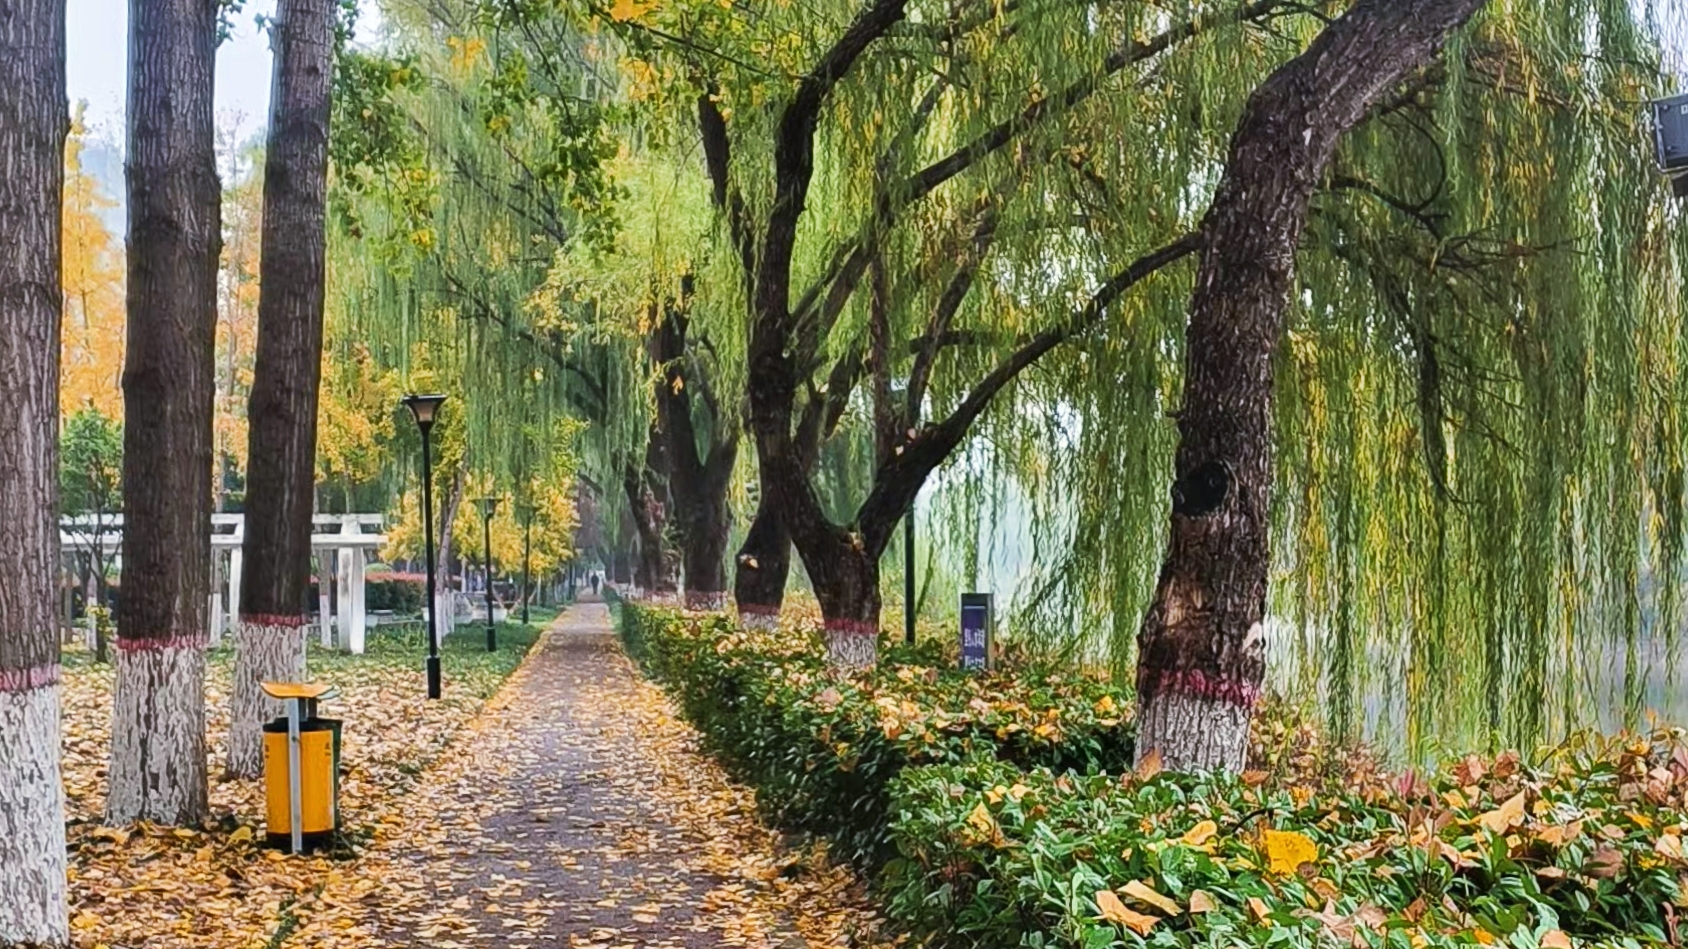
763	567
158	769
282	414
1201	658
646	487
698	484
33	124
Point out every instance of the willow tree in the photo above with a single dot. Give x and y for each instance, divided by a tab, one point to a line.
33	123
158	762
462	182
1201	662
282	414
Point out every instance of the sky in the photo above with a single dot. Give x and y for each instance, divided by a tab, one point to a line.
96	39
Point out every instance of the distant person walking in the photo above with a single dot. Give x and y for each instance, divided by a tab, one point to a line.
594	580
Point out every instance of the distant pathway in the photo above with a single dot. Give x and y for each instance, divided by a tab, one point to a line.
575	812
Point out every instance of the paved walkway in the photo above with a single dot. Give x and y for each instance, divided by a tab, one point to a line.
576	812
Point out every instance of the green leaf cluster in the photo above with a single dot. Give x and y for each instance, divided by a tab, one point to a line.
822	748
1585	851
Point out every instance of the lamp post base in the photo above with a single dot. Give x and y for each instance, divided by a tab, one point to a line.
433	677
491	639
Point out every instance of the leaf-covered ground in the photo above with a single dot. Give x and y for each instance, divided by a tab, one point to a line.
570	810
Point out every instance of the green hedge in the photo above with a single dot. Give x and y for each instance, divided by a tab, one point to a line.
1488	853
821	749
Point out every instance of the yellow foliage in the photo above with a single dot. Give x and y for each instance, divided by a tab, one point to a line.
1287	850
91	337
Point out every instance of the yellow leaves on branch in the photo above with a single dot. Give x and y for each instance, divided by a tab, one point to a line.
1505	817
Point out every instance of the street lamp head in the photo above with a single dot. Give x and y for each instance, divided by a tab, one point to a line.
423	408
488	507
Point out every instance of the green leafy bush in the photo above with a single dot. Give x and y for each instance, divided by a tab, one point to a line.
401	593
821	748
1588	851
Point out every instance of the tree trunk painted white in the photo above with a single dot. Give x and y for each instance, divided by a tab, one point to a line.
267	649
1194	732
709	601
759	617
32	854
851	644
158	769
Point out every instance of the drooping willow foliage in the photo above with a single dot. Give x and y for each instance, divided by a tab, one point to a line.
470	159
1479	495
1478	508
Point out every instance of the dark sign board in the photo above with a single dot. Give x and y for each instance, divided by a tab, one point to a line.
1670	132
975	630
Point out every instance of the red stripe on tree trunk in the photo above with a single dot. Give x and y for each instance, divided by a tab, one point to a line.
1196	683
168	642
853	627
267	619
14	681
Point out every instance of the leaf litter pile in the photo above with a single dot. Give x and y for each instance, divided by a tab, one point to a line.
570	809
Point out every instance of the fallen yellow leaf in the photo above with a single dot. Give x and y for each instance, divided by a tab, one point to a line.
1287	850
1555	939
1506	816
1116	912
1202	902
1149	765
1144	893
1200	834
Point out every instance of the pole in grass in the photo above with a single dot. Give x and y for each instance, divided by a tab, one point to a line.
525	512
908	576
488	506
423	408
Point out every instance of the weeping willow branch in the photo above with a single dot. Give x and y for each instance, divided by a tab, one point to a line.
897	483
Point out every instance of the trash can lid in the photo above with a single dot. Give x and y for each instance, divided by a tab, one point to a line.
296	690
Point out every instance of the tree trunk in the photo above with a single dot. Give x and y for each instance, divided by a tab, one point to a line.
702	516
764	565
646	499
282	413
847	585
33	124
158	769
1201	653
444	618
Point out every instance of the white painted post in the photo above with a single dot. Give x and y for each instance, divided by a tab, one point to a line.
235	559
216	613
325	616
344	581
351	613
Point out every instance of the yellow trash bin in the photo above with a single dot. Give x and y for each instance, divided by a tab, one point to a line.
301	770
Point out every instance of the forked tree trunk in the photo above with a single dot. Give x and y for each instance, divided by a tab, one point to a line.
32	132
158	768
763	567
282	414
698	485
1201	653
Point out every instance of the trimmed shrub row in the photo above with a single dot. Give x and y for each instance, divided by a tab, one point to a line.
822	748
1483	853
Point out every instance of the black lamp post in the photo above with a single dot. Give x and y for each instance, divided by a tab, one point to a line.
423	408
488	506
525	512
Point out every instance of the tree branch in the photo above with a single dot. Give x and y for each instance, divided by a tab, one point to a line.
896	484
